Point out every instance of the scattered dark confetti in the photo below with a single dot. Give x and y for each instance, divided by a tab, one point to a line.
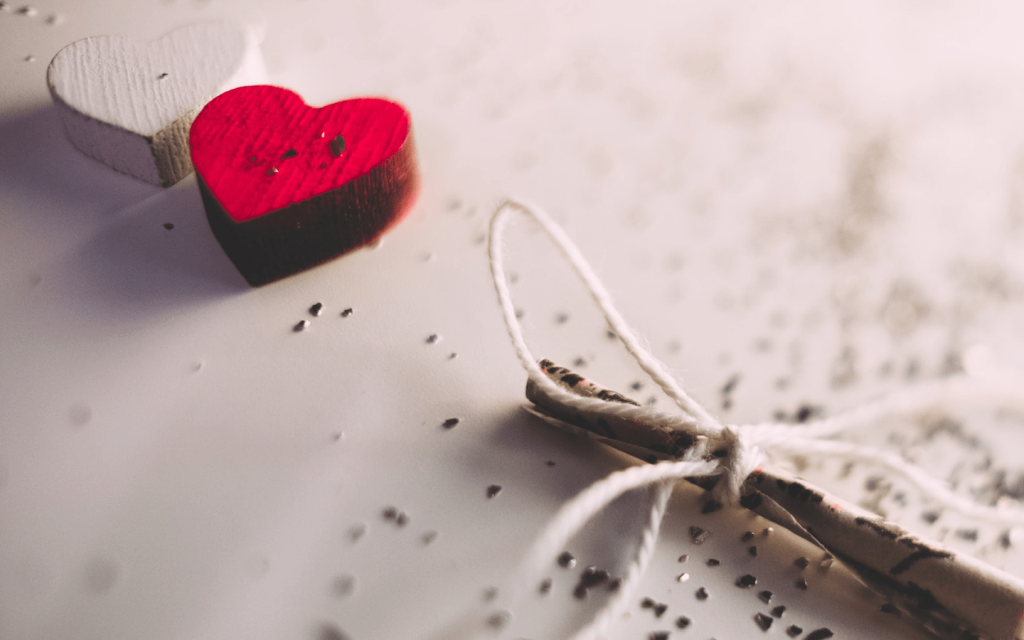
450	423
493	490
337	145
890	608
592	576
793	631
429	537
316	309
684	558
330	631
749	535
490	593
801	562
498	619
801	584
682	577
647	603
611	335
752	550
301	325
745	581
356	532
766	596
550	463
390	513
520	313
659	609
763	621
636	386
336	436
580	592
168	225
545	586
805	412
562	318
730	384
453	356
579	362
819	634
698	535
778	611
970	535
702	594
346	313
711	506
433	338
658	635
1004	539
402	519
714	562
343	585
614	584
566	560
682	622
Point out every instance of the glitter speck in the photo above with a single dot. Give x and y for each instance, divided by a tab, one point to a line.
338	145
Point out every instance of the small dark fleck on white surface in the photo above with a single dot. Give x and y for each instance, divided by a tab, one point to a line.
763	621
453	355
562	318
162	75
766	596
802	562
566	560
970	535
713	562
330	631
356	532
684	558
316	309
778	611
498	619
702	594
343	585
450	423
749	535
698	535
490	593
793	631
346	313
27	11
493	490
745	581
433	338
300	326
390	513
801	584
819	634
752	550
402	519
658	635
545	586
682	622
429	537
168	225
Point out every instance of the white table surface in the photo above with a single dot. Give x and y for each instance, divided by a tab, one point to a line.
825	200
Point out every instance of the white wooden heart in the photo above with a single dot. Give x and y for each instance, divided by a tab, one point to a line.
130	104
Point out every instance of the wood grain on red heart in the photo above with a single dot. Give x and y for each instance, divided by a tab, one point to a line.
287	186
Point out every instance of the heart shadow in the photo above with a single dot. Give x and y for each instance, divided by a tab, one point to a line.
120	257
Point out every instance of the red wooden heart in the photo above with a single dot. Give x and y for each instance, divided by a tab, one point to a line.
287	186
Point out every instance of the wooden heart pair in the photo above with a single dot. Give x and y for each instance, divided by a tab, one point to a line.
285	186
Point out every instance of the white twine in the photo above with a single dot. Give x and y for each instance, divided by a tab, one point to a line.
743	444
